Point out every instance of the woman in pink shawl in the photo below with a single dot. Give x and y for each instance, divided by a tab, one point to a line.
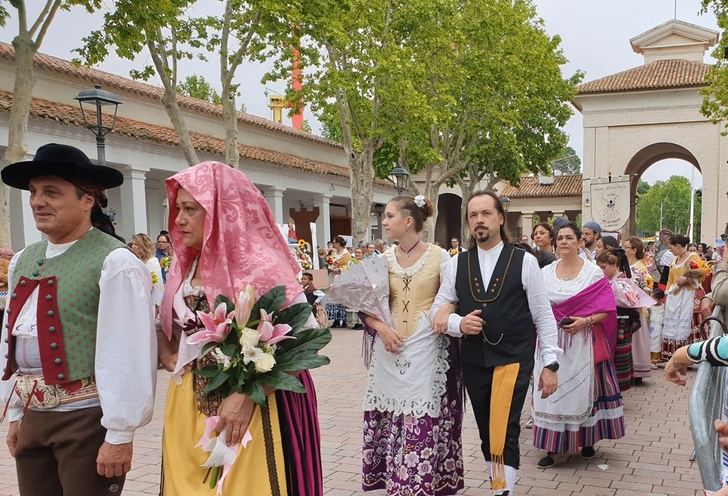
225	238
590	409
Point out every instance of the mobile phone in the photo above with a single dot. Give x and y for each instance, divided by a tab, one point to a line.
566	321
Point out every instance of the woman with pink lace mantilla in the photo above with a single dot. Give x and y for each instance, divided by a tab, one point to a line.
225	238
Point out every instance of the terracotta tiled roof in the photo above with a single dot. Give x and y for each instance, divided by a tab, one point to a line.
661	74
531	188
71	115
112	81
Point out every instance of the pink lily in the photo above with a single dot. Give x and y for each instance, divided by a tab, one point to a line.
217	326
244	305
270	333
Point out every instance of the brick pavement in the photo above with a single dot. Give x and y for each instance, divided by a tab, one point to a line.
651	460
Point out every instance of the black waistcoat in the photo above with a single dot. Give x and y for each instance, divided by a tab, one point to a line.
509	334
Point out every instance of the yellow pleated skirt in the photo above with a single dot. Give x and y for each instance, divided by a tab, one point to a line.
183	427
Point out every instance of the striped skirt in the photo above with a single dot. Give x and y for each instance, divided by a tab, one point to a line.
606	421
623	355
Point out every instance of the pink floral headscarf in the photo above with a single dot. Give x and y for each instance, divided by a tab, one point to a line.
242	243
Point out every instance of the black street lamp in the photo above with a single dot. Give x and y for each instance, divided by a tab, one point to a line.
401	176
94	99
379	210
506	202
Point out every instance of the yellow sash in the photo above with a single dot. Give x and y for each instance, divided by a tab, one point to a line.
501	395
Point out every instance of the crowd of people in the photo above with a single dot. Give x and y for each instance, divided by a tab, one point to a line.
89	319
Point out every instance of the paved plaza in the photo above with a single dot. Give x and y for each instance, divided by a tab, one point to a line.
651	460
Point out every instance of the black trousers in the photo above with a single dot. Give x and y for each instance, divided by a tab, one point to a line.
478	381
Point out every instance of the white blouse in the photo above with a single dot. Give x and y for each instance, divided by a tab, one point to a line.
560	290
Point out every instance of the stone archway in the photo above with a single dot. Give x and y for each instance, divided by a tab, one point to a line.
635	118
449	219
642	160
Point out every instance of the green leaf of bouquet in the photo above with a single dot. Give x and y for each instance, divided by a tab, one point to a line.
304	363
270	301
309	340
216	382
207	348
257	393
295	315
207	372
278	379
229	306
229	349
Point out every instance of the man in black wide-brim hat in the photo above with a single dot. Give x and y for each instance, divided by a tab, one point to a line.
78	335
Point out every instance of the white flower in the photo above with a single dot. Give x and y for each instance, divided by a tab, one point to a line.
249	337
265	363
251	354
420	201
221	358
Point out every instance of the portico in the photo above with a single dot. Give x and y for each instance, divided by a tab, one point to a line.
298	173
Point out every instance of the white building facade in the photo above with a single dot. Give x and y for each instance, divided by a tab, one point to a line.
303	177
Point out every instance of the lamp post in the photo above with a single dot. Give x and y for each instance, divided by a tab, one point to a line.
379	210
91	101
506	202
401	176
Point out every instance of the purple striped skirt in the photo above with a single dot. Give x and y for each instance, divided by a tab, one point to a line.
606	421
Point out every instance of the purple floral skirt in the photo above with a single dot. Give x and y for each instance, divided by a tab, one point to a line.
417	456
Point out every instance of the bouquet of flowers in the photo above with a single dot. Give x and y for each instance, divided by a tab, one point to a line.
644	280
165	262
697	269
331	263
254	344
303	259
155	278
629	295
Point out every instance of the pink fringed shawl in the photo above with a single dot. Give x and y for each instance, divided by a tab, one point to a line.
596	298
242	243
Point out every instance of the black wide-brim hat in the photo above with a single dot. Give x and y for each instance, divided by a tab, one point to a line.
63	161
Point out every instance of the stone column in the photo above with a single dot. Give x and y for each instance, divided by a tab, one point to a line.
526	223
274	195
555	214
323	222
132	217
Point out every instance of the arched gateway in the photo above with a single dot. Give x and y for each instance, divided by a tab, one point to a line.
638	117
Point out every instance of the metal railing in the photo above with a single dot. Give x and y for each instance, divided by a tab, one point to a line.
705	405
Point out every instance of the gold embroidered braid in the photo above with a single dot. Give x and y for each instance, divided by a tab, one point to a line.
270	456
505	274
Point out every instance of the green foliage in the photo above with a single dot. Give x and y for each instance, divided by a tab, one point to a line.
198	87
715	95
133	25
673	196
642	188
567	163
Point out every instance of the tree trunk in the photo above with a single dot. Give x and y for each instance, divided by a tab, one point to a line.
169	99
430	191
467	192
19	112
362	190
230	121
180	126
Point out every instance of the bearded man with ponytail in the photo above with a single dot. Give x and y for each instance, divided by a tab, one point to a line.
502	313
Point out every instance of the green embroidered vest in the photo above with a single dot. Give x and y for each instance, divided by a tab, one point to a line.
77	272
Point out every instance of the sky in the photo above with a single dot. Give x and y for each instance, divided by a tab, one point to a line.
595	38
